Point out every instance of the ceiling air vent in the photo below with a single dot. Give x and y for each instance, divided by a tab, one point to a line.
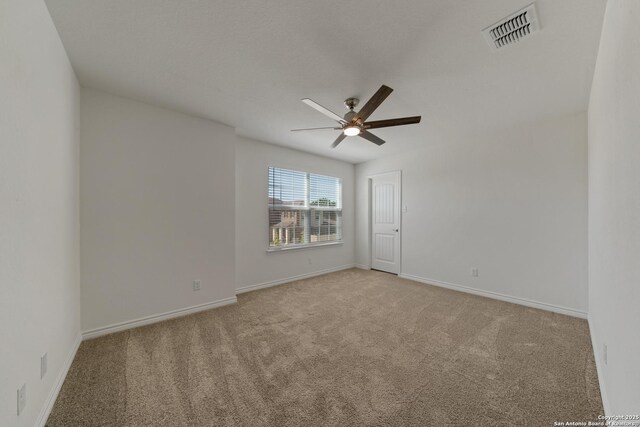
511	29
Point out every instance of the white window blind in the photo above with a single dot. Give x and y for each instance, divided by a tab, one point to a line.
304	208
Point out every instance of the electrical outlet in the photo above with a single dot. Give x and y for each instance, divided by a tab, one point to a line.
604	354
43	366
196	285
309	259
22	398
474	272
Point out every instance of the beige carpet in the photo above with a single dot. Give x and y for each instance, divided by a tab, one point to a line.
348	348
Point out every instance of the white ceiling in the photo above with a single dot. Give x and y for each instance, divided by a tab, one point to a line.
248	63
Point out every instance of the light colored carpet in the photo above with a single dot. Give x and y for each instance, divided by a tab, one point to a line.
348	348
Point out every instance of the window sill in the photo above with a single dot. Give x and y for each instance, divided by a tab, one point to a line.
308	246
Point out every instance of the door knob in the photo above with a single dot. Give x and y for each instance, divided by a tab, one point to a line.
396	230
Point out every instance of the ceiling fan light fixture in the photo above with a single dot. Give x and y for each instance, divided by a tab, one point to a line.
351	130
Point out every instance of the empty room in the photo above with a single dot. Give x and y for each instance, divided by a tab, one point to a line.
319	213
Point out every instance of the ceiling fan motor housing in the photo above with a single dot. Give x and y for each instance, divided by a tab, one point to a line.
349	116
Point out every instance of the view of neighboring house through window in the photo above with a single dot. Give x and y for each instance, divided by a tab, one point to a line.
304	208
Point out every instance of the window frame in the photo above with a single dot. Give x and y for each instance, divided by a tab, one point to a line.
309	209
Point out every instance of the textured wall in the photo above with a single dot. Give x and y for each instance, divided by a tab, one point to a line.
157	211
512	204
39	223
614	208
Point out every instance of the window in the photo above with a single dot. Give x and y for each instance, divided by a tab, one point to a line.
305	209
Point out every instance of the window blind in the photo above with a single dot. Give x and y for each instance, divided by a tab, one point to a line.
304	208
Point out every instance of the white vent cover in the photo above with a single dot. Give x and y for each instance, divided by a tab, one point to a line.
511	29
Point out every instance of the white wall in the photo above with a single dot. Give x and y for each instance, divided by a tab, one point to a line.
512	204
254	266
614	208
39	224
157	210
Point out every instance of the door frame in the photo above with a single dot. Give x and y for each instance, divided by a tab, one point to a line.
370	217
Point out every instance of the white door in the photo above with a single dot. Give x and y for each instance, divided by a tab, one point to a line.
385	222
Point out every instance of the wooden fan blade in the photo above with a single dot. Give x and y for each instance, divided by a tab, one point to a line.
323	128
338	140
392	122
323	110
374	102
371	137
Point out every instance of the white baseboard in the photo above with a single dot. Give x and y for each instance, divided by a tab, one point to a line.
495	295
271	283
130	324
53	394
600	369
363	266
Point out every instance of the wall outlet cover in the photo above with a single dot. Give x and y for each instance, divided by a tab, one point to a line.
22	398
196	285
43	365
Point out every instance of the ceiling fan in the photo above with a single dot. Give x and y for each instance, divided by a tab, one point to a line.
355	123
